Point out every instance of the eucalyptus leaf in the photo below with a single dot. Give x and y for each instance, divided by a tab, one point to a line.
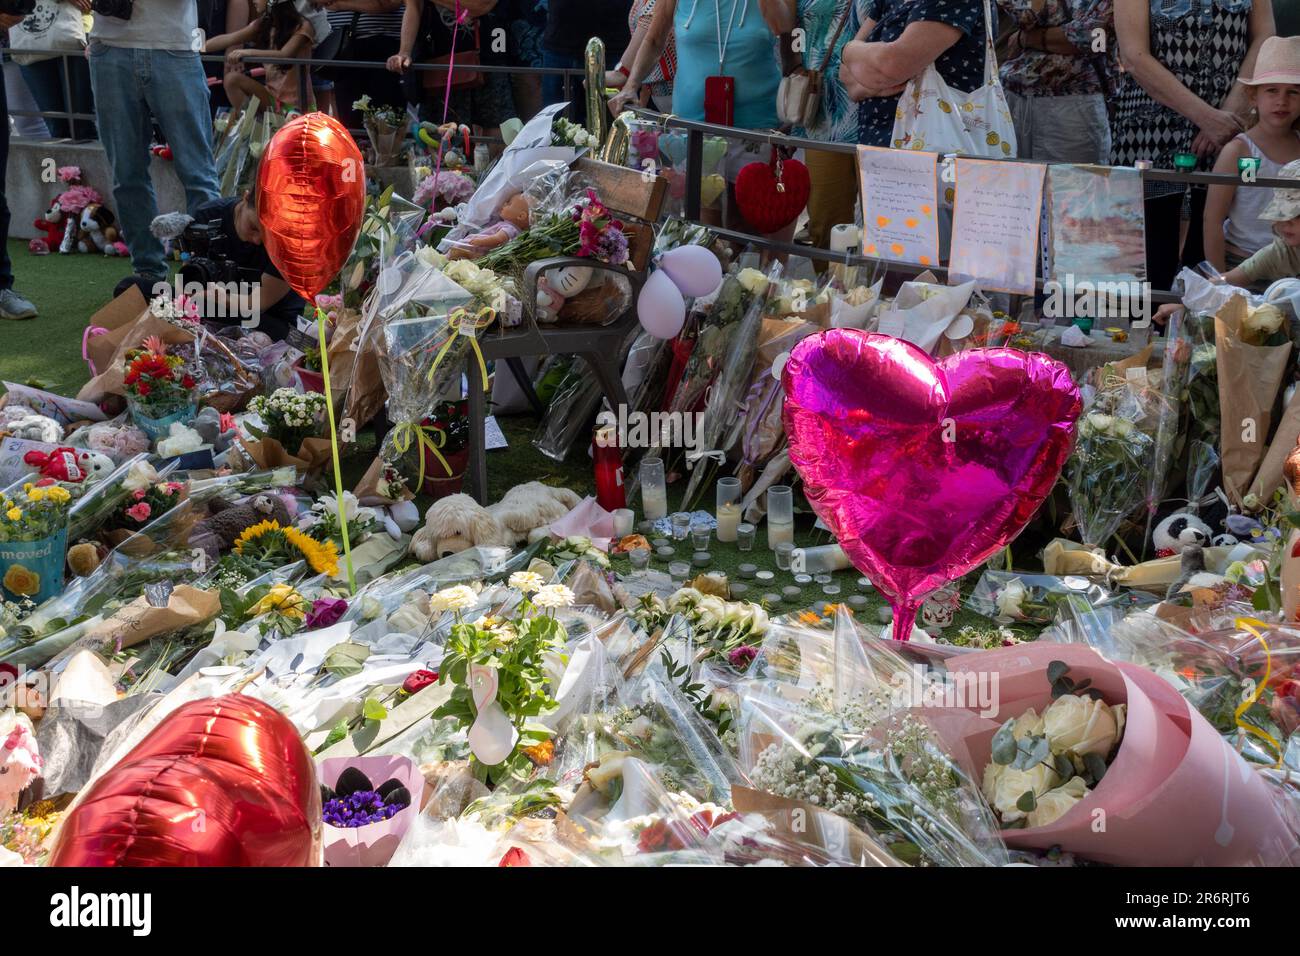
346	659
1004	744
1064	767
1027	802
1096	766
1056	670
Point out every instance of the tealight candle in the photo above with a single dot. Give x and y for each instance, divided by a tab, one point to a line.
765	577
665	553
701	559
803	580
679	570
791	593
747	571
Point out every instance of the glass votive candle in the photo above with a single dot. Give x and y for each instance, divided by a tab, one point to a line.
783	552
790	593
681	525
803	580
823	579
745	537
640	558
771	598
700	538
679	570
728	510
864	584
646	528
764	577
665	553
701	559
780	515
661	543
654	489
831	590
738	590
858	602
623	521
747	571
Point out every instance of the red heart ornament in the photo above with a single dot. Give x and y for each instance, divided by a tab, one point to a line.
762	202
920	469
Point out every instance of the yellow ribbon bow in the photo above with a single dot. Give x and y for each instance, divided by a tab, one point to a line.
463	323
423	435
1250	624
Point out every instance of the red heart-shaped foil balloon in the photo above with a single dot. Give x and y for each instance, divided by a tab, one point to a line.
763	205
311	194
223	781
920	469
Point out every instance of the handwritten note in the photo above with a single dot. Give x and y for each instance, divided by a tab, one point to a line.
995	225
899	200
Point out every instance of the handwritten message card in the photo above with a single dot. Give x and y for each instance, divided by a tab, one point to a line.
899	199
995	225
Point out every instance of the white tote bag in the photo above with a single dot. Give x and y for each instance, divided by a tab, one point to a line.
53	25
934	117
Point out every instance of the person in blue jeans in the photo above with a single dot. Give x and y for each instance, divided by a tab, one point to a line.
141	68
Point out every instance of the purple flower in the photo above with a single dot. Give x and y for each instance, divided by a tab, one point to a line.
358	809
742	656
324	612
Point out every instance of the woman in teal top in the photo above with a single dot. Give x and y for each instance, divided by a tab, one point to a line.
714	38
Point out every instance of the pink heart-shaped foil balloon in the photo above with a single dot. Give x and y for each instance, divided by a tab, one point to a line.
923	469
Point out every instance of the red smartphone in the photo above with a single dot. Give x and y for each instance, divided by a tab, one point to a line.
720	100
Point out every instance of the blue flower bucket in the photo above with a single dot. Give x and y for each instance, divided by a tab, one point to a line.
33	570
157	428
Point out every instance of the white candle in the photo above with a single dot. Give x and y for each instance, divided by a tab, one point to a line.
654	501
781	532
728	521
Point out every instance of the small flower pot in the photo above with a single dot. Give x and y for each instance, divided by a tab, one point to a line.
309	380
156	425
437	483
33	570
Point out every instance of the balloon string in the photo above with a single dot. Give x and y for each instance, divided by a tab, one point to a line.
1249	624
334	447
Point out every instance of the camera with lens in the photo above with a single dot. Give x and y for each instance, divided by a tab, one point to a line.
208	259
17	8
120	9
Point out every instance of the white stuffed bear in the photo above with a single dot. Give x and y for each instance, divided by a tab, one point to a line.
530	506
20	758
455	523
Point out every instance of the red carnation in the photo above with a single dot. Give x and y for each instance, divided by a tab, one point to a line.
515	857
419	680
187	382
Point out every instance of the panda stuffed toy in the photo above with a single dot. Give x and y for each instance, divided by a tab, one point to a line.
1179	531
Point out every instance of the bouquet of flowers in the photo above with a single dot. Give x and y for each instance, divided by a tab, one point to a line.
444	189
290	420
158	388
587	229
386	128
1106	475
565	132
267	546
328	517
143	504
33	541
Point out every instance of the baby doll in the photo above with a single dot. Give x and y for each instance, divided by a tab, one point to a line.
515	216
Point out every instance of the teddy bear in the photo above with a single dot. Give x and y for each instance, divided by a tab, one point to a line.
72	465
20	758
1179	531
226	521
31	426
530	506
97	231
455	523
53	224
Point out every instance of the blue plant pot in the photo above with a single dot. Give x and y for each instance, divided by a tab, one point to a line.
157	428
33	569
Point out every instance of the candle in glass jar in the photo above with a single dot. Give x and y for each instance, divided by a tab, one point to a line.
728	521
654	489
779	533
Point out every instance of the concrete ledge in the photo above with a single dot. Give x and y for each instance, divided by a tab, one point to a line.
30	196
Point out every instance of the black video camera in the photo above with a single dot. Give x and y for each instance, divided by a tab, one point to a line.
17	8
119	9
208	258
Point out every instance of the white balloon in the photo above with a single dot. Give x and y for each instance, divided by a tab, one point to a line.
694	269
660	306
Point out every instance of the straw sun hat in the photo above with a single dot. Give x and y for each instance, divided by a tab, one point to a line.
1278	62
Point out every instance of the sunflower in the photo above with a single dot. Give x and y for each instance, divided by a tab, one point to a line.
253	532
322	556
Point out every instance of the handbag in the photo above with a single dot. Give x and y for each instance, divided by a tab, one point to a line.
435	45
53	25
932	116
799	96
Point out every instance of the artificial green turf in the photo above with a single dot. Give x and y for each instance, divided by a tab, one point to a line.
68	290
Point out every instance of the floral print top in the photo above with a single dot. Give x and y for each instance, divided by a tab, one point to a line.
961	65
1088	25
838	120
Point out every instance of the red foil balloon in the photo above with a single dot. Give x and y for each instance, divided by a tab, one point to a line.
223	781
311	194
921	469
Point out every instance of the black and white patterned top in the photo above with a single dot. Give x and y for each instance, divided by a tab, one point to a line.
1203	44
961	65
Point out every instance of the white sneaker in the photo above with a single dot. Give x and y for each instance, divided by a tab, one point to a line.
14	306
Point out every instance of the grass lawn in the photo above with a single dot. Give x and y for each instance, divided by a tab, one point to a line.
68	290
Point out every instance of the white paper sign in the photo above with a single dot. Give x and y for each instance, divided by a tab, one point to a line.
899	204
995	225
493	436
62	409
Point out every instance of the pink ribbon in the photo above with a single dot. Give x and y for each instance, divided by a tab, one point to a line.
462	16
85	343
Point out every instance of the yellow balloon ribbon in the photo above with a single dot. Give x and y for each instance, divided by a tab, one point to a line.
423	436
334	445
462	323
1250	624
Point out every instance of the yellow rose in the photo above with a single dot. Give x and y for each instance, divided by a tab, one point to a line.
281	598
1082	725
36	494
13	514
21	580
1052	805
59	495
